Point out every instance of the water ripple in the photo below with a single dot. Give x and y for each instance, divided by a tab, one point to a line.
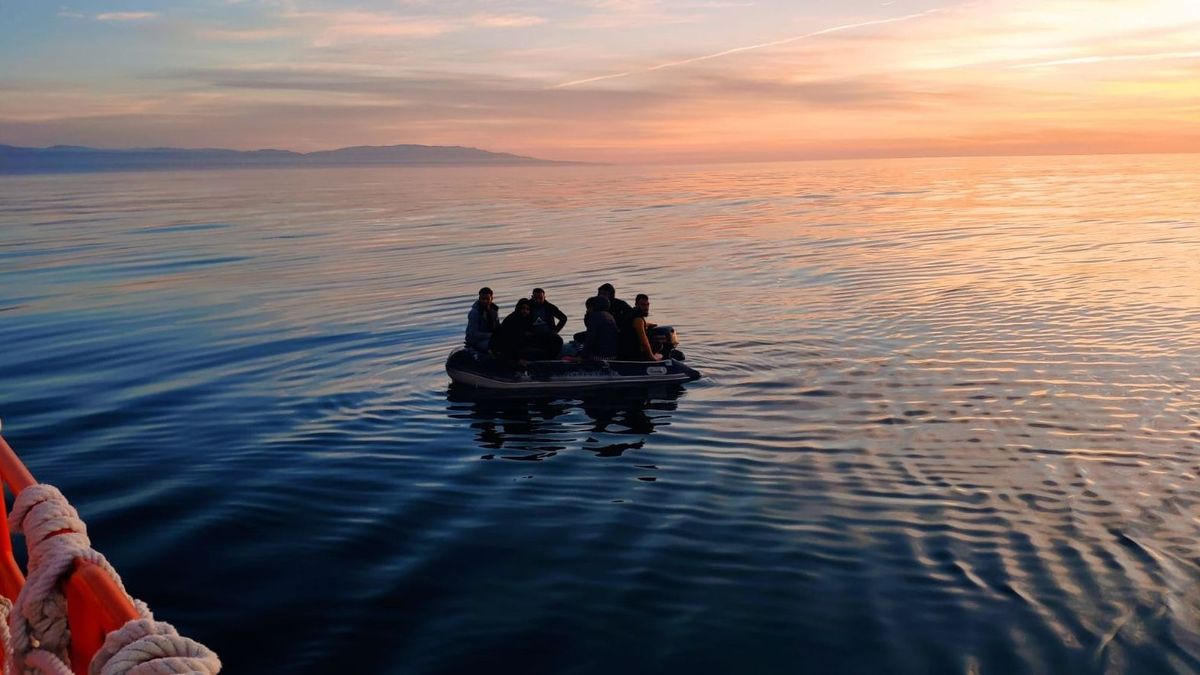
947	422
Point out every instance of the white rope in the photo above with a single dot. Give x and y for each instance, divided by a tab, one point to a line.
40	637
42	661
148	647
5	609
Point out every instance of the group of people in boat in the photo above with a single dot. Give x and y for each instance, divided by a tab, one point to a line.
615	330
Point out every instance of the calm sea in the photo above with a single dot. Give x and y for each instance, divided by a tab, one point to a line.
950	418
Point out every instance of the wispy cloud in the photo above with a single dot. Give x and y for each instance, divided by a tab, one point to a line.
329	27
777	43
243	34
861	93
506	20
1083	60
720	4
977	75
626	6
349	24
622	14
746	48
127	16
999	35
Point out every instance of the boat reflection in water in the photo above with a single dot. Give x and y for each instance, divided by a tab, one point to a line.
535	427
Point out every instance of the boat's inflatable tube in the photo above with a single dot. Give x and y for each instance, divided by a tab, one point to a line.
471	368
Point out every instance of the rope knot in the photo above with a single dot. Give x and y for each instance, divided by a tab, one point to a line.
40	512
149	647
40	635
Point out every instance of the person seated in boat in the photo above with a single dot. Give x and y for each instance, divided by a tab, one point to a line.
580	338
548	320
601	340
482	321
635	343
620	310
513	340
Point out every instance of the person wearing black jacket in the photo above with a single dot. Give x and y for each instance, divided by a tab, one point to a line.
512	340
548	320
602	340
620	310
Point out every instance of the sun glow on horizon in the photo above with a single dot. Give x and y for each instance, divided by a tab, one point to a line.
603	81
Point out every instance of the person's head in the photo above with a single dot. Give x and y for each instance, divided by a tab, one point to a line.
590	304
523	306
600	303
607	290
642	304
538	296
485	295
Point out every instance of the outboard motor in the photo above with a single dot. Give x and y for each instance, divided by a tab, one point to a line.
664	341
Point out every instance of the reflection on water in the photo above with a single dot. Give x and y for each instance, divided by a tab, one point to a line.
948	423
606	422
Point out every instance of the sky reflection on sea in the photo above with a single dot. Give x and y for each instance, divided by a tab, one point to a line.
947	422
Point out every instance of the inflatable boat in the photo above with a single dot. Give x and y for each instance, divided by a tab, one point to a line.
471	368
468	367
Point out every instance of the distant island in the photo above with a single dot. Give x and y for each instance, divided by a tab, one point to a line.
75	159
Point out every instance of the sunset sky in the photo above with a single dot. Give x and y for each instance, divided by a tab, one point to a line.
608	80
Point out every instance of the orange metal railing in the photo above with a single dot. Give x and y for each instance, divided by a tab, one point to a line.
96	606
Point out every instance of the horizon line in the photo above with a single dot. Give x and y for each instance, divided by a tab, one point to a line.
664	161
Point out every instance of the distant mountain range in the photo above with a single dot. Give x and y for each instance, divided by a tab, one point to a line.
73	158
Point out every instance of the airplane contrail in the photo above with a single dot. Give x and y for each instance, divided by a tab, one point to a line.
1115	57
735	50
590	79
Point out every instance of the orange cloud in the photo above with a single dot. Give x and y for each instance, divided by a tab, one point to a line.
1003	76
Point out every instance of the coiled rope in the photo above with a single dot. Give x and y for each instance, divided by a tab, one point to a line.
36	635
